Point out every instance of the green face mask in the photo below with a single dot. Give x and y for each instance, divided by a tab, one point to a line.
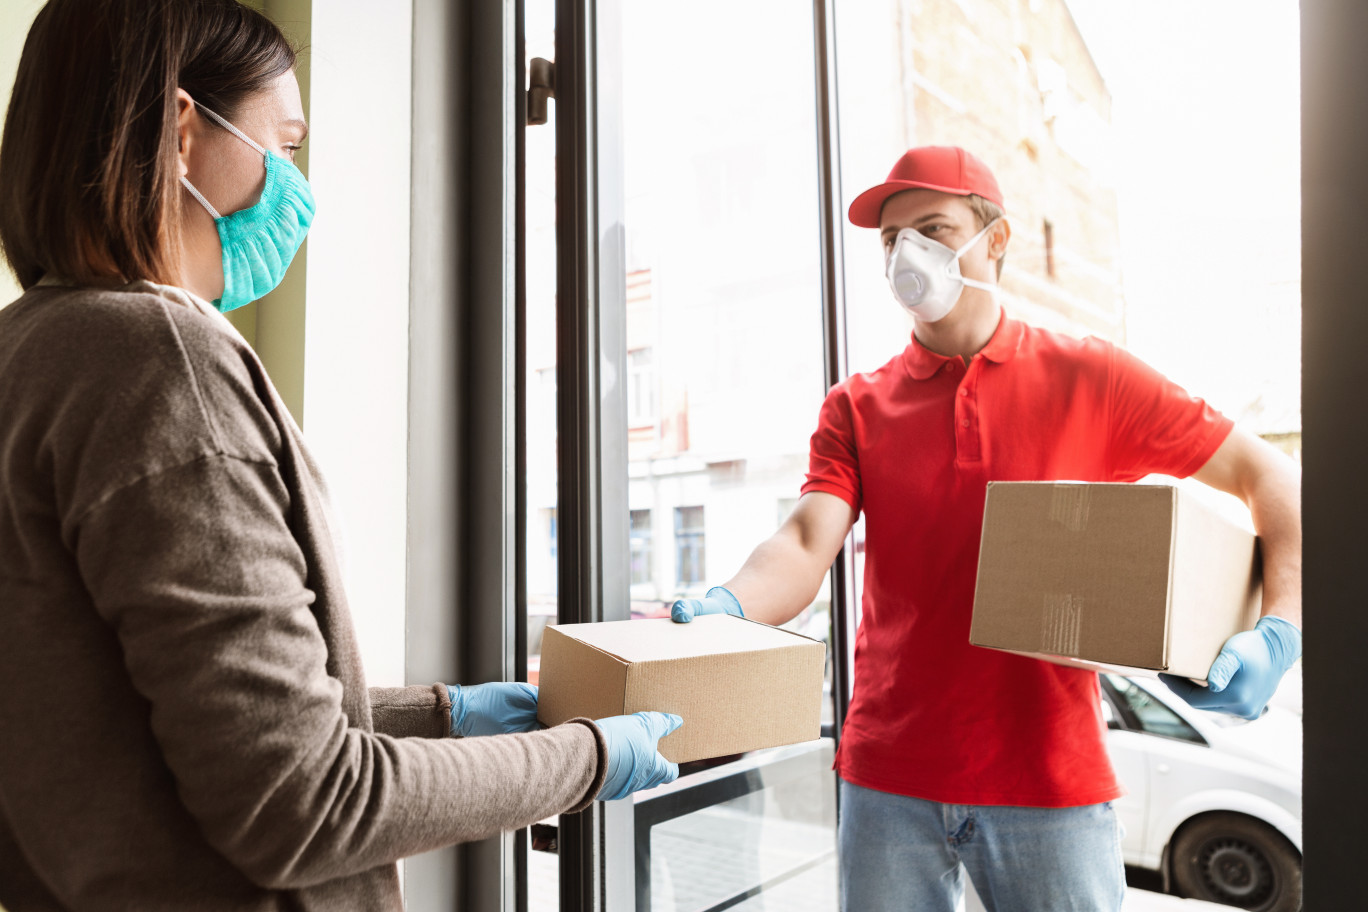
260	241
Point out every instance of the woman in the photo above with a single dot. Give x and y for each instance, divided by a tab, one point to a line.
185	722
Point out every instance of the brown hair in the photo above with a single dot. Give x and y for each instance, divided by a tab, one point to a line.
986	212
88	159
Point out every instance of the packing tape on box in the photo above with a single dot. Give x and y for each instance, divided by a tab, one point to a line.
1069	506
1063	616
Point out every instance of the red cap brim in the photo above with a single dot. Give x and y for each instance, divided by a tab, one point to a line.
868	206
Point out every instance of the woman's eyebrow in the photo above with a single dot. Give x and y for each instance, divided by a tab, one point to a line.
304	127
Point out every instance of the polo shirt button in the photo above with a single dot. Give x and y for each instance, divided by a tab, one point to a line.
950	366
964	422
964	392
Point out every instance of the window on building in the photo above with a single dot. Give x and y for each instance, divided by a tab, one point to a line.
1049	249
641	387
639	532
552	574
688	527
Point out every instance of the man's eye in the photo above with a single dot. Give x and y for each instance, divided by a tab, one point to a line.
929	230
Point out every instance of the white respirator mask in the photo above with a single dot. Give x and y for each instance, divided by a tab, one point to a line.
925	274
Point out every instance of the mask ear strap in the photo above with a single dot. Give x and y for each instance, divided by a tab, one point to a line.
200	196
230	128
976	238
975	283
986	286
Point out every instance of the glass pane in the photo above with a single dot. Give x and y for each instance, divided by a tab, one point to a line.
777	844
1062	100
724	378
724	326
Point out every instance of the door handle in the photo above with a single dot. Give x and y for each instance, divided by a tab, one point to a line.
541	85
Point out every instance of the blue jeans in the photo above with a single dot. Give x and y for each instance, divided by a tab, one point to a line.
901	854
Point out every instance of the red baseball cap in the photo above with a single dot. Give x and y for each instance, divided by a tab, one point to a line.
948	169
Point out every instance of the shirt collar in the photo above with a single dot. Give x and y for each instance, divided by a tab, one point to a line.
922	363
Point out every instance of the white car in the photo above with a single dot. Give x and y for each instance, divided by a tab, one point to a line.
1214	802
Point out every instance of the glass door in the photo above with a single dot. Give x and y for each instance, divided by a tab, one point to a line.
682	328
725	374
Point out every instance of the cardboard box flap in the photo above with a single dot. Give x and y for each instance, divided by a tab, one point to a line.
588	682
657	640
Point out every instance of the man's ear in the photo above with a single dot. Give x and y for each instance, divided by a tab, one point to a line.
187	129
998	236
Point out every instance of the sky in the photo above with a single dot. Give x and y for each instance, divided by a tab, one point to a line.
1206	123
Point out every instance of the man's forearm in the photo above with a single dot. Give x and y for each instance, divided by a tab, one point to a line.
1275	505
1269	483
778	580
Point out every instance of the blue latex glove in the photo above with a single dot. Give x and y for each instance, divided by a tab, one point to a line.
1247	671
717	601
633	761
493	709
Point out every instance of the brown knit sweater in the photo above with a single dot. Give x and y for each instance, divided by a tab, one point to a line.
184	721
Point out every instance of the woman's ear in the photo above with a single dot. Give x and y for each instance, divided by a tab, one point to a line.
187	124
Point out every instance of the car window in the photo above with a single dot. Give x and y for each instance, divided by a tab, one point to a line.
1152	715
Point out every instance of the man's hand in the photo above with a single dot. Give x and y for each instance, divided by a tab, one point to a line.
634	762
493	709
717	601
1247	671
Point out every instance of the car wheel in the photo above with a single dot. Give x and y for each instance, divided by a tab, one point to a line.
1237	861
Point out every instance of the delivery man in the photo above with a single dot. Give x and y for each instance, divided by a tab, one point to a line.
955	758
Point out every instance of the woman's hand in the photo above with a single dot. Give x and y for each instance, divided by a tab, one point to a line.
634	763
500	708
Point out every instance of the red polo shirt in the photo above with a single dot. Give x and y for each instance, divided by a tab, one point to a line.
914	445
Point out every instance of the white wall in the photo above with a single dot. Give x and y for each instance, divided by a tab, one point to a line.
15	18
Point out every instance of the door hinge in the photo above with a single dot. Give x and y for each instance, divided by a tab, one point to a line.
541	85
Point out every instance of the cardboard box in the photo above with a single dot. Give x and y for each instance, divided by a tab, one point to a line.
1112	577
739	685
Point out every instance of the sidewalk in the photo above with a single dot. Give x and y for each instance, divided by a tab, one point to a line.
1135	901
1143	901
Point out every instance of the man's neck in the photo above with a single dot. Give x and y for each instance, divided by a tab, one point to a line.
964	331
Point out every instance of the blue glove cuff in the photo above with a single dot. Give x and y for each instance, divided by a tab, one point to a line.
457	708
729	601
1284	639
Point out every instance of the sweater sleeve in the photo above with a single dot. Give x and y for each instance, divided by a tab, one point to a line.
412	712
195	570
